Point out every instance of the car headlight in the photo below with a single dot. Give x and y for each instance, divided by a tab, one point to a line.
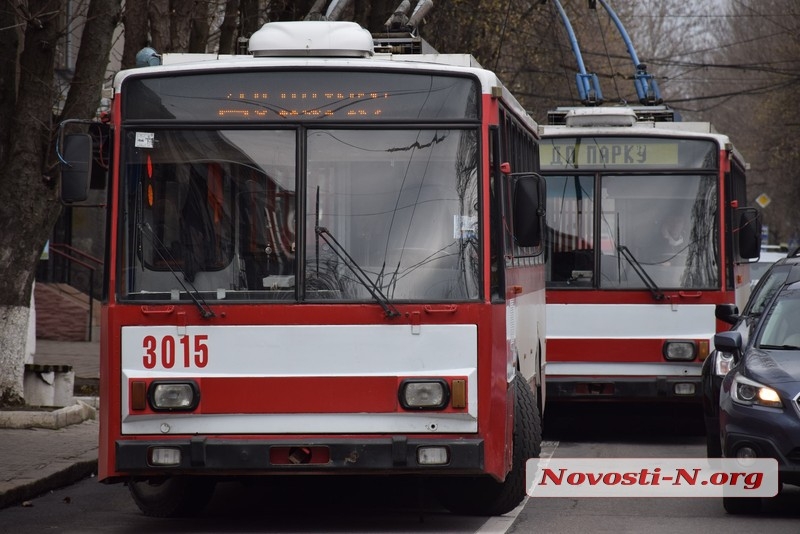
749	392
723	362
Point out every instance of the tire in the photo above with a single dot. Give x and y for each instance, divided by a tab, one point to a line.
713	444
484	496
741	505
172	496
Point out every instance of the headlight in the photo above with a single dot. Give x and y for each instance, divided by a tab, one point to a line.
424	394
749	392
173	395
723	363
684	351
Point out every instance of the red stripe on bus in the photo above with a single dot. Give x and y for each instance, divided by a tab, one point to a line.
289	395
604	350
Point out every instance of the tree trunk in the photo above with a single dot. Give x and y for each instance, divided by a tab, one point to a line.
28	204
180	20
198	40
9	43
136	34
85	89
158	14
29	178
227	34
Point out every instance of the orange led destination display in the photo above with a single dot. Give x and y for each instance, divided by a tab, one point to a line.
312	104
623	152
329	95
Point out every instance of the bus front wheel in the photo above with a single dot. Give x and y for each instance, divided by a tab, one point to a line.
172	496
485	496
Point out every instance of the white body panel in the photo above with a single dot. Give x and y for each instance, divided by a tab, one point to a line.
306	351
608	322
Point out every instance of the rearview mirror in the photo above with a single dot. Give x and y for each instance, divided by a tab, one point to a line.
728	341
76	167
749	231
528	206
728	313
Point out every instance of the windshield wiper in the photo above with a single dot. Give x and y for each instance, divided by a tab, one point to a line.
779	347
637	267
361	276
359	273
205	310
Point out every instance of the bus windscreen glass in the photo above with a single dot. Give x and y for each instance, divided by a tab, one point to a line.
220	212
636	230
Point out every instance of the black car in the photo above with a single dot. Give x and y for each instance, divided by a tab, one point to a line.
719	362
759	401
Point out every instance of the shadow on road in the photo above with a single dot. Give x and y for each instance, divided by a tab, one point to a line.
640	422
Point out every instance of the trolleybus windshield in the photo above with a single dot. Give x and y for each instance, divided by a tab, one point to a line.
229	210
634	213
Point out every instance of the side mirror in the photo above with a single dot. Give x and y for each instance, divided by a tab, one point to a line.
728	313
749	231
528	206
728	342
76	167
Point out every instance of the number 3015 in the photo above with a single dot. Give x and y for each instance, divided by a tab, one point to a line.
170	351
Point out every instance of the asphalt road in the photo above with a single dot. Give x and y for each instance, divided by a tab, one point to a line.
392	505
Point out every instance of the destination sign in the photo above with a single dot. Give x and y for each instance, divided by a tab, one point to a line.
622	152
310	104
300	96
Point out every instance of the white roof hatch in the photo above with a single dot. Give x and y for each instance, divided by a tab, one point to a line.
317	38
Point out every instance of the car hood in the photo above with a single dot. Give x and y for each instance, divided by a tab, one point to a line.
773	366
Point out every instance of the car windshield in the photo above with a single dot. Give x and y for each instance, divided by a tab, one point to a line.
766	288
761	267
781	328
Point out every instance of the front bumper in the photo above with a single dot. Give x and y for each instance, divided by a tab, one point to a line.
771	432
204	455
613	388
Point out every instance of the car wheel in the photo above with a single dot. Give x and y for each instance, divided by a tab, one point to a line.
172	496
485	496
741	505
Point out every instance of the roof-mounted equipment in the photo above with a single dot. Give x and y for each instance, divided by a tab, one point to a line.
312	38
588	85
402	31
646	87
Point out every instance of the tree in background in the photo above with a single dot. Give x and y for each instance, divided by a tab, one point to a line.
30	33
751	94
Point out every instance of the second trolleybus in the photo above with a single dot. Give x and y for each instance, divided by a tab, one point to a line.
648	231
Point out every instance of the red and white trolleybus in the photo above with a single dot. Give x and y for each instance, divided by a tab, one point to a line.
322	257
648	231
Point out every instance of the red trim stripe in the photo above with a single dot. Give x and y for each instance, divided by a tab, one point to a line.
289	395
605	350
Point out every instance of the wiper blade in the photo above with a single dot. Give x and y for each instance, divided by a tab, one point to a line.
359	273
637	267
205	310
779	347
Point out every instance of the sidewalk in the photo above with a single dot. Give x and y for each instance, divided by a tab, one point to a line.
46	450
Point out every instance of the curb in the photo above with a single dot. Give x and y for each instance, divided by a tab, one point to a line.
78	412
62	475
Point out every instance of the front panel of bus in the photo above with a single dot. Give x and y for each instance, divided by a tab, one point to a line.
299	277
636	264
